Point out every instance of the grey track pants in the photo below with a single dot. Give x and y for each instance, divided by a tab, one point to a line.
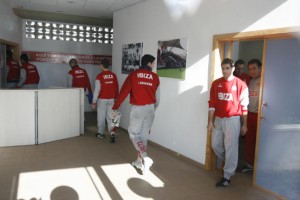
104	112
225	142
141	120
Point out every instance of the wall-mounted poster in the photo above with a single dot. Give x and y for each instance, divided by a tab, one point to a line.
131	57
171	58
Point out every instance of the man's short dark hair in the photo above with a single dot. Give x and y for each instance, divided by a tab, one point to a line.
24	57
147	59
255	61
227	61
105	63
239	62
73	61
9	53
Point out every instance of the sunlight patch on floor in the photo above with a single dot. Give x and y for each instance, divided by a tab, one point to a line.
46	184
85	183
123	174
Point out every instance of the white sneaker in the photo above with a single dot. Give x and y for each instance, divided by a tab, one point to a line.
147	164
138	163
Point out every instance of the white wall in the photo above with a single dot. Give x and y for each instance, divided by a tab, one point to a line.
55	75
10	24
181	118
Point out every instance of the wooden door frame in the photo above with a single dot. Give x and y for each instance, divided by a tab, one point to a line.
14	46
216	57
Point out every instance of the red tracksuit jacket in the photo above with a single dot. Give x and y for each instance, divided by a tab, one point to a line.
229	98
13	74
142	85
109	87
80	78
32	75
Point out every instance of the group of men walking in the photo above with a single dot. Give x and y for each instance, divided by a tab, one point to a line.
233	105
142	85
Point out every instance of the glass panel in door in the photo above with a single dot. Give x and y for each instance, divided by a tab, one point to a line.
278	160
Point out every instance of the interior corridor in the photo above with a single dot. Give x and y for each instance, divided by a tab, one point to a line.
88	168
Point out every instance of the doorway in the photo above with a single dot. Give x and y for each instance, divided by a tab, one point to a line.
225	46
4	45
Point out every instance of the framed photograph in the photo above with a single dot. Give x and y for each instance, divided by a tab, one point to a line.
171	58
131	57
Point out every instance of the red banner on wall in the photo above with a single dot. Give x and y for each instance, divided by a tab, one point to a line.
54	57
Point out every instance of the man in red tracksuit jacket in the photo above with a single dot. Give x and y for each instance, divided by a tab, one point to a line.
228	103
29	77
78	78
143	86
254	68
239	71
13	70
105	92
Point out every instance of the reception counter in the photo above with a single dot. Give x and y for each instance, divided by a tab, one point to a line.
37	116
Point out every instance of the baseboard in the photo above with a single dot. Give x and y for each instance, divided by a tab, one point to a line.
177	155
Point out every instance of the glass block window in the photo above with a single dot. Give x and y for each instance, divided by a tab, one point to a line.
68	32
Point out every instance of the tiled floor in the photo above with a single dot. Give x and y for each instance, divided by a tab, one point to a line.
88	168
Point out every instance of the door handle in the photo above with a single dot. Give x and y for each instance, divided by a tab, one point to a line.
262	110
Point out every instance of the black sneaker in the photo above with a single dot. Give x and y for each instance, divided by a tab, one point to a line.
247	168
112	139
99	135
224	182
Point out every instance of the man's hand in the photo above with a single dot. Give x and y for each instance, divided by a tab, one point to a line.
94	105
210	127
244	130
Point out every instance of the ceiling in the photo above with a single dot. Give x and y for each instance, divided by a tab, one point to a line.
72	11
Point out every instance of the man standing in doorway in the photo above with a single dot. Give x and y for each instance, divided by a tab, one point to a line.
13	70
78	78
228	102
29	75
143	86
239	71
254	68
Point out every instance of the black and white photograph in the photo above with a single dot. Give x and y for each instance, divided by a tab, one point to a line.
131	57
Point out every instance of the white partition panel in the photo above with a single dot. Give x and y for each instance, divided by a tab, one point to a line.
82	98
59	114
17	117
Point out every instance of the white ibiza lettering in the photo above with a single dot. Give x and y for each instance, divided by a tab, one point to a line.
79	71
144	83
109	76
144	75
225	96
